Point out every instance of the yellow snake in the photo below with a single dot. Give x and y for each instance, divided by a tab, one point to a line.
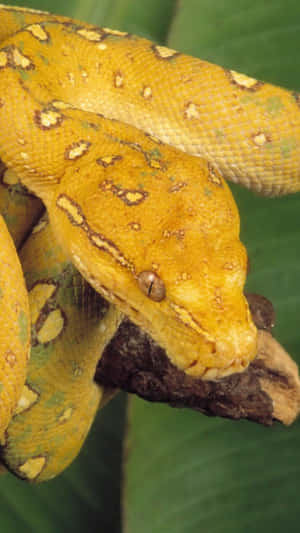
103	126
70	326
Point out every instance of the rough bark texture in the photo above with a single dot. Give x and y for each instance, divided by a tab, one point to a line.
268	390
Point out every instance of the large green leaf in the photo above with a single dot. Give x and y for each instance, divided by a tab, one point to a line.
183	471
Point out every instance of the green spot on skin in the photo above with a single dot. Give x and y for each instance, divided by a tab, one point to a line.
1	387
67	296
20	17
1	293
274	105
220	134
21	45
40	355
287	146
89	125
52	252
66	278
23	435
53	273
156	153
59	440
207	192
58	398
269	146
23	327
43	58
248	99
23	74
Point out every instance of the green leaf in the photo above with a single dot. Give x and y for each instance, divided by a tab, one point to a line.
186	473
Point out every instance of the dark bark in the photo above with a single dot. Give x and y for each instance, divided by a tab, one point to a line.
268	390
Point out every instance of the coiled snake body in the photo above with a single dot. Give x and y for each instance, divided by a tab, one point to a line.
103	127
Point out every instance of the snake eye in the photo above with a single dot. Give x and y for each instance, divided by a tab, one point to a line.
151	285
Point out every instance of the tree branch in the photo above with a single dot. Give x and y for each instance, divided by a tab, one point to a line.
267	391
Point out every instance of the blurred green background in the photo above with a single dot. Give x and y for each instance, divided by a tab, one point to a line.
147	468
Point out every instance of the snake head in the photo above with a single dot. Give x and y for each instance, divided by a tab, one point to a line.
161	241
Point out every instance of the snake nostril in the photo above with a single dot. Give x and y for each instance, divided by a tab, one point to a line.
151	285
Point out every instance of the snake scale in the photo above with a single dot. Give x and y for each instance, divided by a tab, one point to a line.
127	144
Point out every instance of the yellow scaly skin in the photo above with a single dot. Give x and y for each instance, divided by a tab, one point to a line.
18	209
87	168
71	325
14	330
186	102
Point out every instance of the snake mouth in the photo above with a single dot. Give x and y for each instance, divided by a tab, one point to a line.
211	346
197	369
235	366
238	364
